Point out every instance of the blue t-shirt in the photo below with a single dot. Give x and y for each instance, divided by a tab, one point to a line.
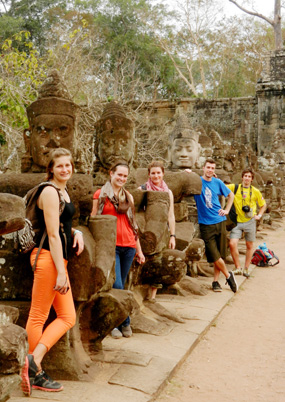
208	203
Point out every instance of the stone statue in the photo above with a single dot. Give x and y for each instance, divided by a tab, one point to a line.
184	147
52	119
278	147
115	139
13	340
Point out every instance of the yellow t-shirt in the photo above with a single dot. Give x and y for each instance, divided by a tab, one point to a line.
256	198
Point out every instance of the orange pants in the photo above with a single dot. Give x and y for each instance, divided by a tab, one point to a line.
43	297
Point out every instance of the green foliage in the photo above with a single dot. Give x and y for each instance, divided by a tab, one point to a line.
22	74
2	139
9	26
35	17
123	32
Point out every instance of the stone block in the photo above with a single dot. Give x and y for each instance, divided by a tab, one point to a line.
8	314
16	275
104	313
167	268
93	269
181	211
12	213
7	384
13	348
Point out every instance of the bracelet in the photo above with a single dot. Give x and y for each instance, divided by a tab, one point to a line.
259	216
77	231
173	235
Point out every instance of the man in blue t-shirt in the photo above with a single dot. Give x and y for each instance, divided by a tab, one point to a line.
212	218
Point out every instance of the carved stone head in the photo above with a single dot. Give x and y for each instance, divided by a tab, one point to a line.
114	136
52	118
184	148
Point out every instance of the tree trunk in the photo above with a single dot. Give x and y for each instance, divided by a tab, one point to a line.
277	25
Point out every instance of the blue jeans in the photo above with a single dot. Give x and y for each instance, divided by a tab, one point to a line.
124	259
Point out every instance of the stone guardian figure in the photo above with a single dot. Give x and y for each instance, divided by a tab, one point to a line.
52	122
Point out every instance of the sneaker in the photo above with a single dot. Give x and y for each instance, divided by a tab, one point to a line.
127	331
237	271
216	287
45	383
116	333
246	273
28	375
232	282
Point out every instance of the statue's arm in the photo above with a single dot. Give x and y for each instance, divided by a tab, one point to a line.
171	221
94	208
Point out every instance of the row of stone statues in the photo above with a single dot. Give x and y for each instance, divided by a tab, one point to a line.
53	120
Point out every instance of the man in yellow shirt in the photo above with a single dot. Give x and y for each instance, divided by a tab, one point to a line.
246	200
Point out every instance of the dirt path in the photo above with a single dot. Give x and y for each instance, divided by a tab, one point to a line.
242	357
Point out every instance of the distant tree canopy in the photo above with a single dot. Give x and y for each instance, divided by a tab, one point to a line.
129	50
194	51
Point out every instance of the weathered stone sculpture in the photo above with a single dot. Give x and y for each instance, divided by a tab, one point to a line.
162	264
52	124
184	147
115	139
52	118
13	338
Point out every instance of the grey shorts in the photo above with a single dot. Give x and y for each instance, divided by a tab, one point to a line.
249	229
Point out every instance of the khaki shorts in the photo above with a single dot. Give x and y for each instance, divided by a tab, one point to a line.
249	229
215	238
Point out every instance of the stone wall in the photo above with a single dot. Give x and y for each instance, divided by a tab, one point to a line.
235	119
270	92
256	122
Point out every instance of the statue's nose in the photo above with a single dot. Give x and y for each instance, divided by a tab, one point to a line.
52	144
54	136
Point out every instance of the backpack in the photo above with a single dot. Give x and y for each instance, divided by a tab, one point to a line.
26	239
262	259
231	221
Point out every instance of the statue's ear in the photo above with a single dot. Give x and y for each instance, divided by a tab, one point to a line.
198	164
168	156
27	139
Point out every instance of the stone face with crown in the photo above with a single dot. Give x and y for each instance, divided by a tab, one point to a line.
184	147
52	119
115	138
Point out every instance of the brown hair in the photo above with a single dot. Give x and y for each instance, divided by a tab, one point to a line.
158	164
209	160
57	153
248	170
119	162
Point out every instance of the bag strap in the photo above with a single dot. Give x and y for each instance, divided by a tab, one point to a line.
236	188
39	249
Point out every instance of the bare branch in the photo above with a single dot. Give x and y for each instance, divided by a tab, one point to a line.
255	14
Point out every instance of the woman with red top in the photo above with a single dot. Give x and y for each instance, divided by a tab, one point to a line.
156	183
113	199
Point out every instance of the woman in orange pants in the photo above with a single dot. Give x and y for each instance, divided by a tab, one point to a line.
51	283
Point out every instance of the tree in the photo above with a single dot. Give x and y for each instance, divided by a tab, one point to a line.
34	16
22	72
275	22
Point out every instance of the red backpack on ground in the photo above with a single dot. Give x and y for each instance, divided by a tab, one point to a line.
260	259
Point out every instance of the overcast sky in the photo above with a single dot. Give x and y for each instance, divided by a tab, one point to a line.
265	7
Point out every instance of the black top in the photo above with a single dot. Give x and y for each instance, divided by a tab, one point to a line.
64	230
